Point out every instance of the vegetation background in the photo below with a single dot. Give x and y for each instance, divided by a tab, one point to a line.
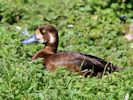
88	26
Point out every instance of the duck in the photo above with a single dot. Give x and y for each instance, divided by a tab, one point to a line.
84	64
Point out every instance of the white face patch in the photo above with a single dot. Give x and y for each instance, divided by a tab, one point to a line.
40	38
52	38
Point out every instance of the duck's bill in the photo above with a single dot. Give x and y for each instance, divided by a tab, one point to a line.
31	39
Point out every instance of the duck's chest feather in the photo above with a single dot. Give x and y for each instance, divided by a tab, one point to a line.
75	61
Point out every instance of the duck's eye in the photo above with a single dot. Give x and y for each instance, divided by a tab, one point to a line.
43	32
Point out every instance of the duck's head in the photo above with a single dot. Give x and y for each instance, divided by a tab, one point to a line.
45	34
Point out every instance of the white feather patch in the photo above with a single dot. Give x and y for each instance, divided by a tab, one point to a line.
52	38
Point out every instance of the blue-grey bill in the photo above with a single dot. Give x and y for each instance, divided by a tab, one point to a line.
31	39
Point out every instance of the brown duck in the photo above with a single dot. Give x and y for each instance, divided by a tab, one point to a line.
76	62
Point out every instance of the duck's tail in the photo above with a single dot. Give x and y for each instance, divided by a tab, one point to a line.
117	69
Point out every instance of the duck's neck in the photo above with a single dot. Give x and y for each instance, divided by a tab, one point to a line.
50	49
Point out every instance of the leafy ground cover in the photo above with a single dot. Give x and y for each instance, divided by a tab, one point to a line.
87	26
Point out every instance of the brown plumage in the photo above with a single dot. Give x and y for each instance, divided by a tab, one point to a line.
74	61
